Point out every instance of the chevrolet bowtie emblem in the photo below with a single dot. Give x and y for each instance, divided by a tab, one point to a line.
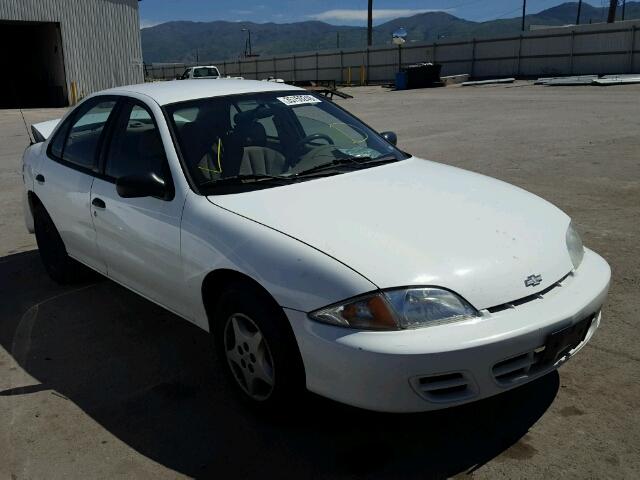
533	280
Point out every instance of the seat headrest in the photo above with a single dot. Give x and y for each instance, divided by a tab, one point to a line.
255	134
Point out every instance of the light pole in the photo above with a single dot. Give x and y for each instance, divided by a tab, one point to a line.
579	10
247	43
370	23
524	12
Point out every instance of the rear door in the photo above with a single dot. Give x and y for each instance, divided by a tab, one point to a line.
64	178
139	237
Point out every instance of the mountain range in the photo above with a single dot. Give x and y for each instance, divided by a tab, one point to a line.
185	41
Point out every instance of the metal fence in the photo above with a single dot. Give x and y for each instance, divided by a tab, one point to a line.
585	49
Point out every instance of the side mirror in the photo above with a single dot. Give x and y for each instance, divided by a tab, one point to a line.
145	185
390	137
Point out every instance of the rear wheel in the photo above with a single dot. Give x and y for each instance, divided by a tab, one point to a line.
59	265
255	343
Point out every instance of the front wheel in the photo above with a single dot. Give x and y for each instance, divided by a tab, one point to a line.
257	347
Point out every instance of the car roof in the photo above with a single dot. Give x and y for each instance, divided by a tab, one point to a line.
175	91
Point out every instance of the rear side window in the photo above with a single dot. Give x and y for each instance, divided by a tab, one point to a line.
136	147
77	141
57	144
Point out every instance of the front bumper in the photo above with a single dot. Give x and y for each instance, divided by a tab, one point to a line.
441	366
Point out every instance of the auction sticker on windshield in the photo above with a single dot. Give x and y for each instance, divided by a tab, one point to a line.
292	100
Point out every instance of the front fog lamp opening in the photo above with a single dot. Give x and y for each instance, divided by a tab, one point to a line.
398	309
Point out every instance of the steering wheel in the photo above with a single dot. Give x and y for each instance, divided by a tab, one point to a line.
310	139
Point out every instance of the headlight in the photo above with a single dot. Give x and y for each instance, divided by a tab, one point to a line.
575	247
398	309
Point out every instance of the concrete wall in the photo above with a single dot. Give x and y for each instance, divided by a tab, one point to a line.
597	49
100	38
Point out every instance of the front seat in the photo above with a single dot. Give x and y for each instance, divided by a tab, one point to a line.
257	158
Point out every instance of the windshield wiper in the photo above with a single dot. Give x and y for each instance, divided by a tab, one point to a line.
359	161
381	159
326	166
247	178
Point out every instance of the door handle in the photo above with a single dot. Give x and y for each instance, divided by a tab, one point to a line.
40	178
98	203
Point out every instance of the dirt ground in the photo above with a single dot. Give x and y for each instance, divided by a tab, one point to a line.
96	382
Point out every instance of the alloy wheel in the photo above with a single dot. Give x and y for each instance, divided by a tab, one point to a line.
249	357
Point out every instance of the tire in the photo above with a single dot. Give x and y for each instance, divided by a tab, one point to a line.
59	265
257	349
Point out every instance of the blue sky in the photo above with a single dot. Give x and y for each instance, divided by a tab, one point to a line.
338	12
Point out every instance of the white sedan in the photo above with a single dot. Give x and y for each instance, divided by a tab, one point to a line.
317	253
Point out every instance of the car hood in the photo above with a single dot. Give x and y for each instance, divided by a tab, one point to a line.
417	222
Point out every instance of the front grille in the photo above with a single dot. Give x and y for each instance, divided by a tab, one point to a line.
448	387
529	298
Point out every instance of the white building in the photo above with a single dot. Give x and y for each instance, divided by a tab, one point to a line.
55	51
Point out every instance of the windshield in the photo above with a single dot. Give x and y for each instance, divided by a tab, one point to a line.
274	135
205	72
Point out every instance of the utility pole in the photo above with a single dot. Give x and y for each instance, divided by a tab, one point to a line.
579	10
624	7
370	24
613	5
524	12
338	40
247	43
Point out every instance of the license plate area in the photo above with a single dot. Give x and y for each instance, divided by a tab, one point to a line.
560	343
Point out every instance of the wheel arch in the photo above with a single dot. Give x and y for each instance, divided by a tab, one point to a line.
214	283
30	203
213	286
34	201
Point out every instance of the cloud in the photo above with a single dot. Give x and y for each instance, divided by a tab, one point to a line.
148	23
361	15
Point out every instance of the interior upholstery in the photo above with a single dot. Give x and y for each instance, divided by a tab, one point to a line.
257	158
248	141
261	161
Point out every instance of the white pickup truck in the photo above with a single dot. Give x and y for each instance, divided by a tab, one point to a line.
210	71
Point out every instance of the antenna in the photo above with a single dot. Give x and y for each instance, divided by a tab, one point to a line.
31	142
15	92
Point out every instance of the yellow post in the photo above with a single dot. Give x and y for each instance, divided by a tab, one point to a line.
74	93
361	75
349	76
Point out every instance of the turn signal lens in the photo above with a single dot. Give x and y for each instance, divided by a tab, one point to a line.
366	313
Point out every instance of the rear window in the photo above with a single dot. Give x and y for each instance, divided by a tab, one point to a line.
205	72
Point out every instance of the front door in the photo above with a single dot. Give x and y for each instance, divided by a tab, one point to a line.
139	237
